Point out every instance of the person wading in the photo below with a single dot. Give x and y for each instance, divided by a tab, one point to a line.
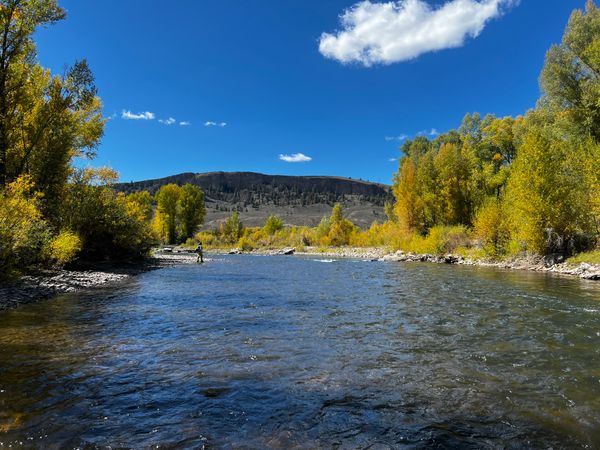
200	252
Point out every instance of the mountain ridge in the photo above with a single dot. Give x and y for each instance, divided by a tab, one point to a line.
299	200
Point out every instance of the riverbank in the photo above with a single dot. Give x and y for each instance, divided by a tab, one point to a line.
533	263
49	283
46	284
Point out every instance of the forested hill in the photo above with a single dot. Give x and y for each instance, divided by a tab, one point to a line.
299	200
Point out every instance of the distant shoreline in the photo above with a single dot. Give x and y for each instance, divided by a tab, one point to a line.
532	264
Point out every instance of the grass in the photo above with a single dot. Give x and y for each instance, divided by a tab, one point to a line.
592	257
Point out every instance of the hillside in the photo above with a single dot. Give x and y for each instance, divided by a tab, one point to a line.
298	200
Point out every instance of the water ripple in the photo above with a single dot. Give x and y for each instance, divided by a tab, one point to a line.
249	352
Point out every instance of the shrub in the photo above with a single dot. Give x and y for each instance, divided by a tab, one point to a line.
440	240
245	244
23	231
206	238
273	225
110	226
232	230
64	248
388	234
491	228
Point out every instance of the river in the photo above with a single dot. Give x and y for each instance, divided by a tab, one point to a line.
293	352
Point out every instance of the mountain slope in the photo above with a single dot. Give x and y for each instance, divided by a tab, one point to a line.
299	200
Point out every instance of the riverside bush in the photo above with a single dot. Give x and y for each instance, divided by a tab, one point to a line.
440	240
110	226
492	229
23	231
245	244
64	248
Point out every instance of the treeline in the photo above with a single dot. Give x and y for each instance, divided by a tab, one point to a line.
530	183
495	186
333	231
50	211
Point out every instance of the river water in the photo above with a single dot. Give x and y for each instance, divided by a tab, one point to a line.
284	352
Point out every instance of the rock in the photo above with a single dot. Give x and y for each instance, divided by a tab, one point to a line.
591	276
288	251
451	259
235	251
553	259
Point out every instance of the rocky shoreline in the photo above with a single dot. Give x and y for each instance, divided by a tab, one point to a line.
534	264
46	284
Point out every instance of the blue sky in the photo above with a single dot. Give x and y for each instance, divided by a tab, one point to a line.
262	71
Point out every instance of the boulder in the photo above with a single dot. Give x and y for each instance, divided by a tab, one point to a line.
451	259
553	259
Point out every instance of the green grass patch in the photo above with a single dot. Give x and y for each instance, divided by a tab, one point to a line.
592	257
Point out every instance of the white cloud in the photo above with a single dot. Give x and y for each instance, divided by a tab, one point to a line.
393	159
394	31
185	124
128	115
400	137
169	121
432	132
210	123
295	158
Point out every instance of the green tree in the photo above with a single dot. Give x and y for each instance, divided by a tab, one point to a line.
571	76
191	210
61	120
45	120
19	19
233	229
340	228
390	212
167	199
273	225
549	195
453	172
105	221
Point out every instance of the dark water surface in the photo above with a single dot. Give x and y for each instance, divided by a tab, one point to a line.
275	352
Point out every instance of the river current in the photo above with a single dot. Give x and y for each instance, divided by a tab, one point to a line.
291	352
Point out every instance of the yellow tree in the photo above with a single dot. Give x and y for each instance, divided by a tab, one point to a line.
549	195
407	199
453	177
18	21
190	209
167	199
